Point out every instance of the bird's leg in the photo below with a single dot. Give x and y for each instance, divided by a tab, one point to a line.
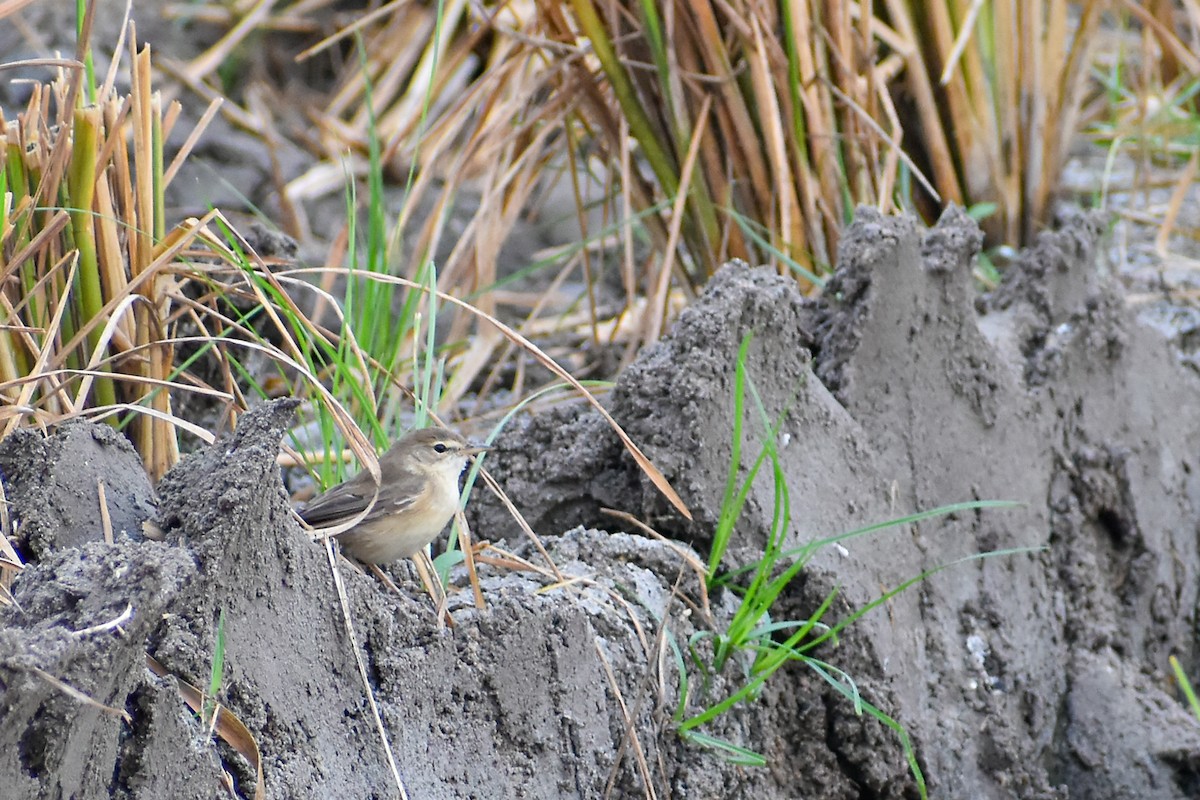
433	586
385	578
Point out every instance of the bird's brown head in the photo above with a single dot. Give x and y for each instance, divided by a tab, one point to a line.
432	449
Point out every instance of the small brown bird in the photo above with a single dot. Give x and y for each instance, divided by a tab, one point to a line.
417	495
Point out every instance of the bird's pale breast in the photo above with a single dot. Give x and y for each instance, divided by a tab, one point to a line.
384	537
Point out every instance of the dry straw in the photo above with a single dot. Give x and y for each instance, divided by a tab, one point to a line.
89	268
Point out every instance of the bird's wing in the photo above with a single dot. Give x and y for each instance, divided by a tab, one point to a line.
338	504
348	499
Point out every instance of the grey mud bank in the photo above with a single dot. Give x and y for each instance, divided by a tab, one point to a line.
1036	675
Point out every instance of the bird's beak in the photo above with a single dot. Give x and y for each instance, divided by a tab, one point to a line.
474	450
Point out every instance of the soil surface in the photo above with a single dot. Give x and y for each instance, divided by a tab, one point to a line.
1039	674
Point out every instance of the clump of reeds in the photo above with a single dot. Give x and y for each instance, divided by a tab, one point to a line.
87	259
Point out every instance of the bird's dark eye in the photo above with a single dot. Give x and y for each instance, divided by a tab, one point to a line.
439	448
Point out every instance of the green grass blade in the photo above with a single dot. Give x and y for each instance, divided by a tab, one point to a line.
730	751
1185	685
910	754
953	508
731	510
858	613
216	672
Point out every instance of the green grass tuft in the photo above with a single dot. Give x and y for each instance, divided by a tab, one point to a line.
752	638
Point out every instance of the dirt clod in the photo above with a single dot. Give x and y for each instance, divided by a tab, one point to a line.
55	486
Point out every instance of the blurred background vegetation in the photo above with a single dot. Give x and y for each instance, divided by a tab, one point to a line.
409	146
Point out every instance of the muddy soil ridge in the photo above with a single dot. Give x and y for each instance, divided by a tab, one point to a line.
1018	676
1039	674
